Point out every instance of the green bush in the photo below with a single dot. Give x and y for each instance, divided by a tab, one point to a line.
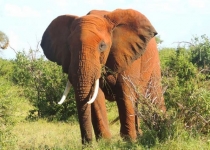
187	93
7	106
6	68
44	84
7	110
187	96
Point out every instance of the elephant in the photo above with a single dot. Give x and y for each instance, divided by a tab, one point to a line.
99	51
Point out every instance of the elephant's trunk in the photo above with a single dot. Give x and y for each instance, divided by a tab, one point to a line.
83	94
83	82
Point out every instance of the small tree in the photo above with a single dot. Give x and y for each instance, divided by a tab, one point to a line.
201	52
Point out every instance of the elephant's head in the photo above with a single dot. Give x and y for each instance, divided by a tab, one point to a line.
82	44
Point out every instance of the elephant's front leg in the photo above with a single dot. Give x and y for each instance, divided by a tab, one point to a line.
99	117
126	108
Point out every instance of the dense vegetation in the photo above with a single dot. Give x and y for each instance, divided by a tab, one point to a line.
30	87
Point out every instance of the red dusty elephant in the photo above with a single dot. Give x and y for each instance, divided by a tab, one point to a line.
98	51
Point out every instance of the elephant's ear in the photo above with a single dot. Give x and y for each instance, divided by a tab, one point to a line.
54	40
130	36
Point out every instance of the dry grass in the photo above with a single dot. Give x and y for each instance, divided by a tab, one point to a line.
57	135
43	135
47	135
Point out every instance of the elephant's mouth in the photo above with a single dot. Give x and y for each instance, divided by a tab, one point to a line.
92	98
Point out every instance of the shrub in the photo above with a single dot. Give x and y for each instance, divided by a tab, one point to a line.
7	110
187	97
44	83
6	68
186	93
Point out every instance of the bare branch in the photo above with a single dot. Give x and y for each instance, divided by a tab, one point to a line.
13	49
198	114
185	42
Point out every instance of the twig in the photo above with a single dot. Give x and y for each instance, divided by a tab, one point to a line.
185	43
198	114
13	49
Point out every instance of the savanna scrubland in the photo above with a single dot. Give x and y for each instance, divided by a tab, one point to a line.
31	86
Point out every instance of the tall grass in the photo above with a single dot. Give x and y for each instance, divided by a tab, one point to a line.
47	135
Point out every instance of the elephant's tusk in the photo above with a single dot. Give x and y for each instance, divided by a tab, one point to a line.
65	93
95	93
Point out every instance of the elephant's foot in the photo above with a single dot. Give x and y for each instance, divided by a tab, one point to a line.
103	135
86	141
139	133
128	137
129	127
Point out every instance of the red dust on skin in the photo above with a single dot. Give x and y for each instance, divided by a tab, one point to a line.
123	41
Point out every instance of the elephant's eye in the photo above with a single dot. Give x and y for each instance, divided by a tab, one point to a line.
102	46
